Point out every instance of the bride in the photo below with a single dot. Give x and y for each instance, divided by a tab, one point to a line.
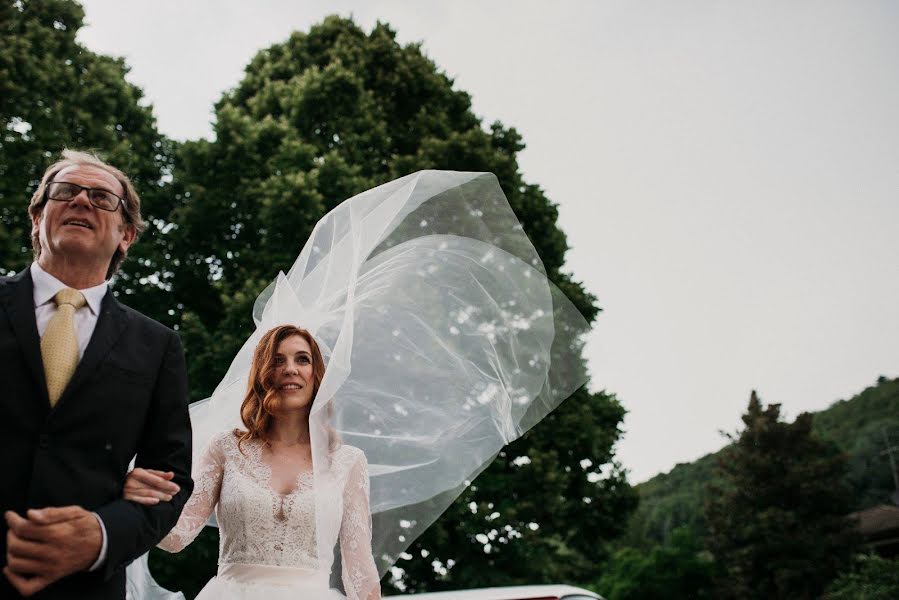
259	481
444	340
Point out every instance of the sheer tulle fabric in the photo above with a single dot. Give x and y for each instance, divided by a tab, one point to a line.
444	341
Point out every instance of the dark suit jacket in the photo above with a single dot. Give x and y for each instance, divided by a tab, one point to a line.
128	396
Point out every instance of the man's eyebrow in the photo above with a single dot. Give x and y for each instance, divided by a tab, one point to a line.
89	187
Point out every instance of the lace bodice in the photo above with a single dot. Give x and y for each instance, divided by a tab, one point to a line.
258	525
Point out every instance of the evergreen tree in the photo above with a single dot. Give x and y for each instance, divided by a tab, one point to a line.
316	119
778	524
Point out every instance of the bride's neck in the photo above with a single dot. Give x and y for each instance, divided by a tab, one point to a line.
290	430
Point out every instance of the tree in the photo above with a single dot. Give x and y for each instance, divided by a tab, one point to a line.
54	93
778	523
680	569
871	578
320	117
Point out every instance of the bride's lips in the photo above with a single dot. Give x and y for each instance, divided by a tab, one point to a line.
290	387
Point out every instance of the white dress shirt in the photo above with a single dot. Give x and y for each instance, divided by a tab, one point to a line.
45	288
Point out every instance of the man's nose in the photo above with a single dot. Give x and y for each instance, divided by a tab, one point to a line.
81	198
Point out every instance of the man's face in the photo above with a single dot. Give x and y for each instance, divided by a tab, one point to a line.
77	231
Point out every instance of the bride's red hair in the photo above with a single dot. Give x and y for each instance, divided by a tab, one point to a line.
262	401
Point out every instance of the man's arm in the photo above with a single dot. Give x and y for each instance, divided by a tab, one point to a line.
131	528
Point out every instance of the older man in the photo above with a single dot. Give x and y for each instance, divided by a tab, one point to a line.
87	384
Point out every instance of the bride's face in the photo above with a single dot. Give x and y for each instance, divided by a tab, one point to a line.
293	373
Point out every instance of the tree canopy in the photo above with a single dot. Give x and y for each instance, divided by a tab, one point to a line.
316	119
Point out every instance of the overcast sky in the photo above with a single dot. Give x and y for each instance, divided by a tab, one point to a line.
727	174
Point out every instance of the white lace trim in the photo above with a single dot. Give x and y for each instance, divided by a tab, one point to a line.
257	525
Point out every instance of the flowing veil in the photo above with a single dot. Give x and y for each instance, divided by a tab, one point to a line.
444	341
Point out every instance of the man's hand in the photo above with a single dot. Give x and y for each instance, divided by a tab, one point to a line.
49	545
149	486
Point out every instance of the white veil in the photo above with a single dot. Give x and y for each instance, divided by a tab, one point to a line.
444	340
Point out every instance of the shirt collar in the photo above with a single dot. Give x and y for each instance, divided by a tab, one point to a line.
46	286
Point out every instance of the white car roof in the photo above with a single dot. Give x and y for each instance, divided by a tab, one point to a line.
504	593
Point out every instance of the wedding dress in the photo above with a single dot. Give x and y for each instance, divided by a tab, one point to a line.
267	546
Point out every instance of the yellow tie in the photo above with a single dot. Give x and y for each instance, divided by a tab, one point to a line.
59	346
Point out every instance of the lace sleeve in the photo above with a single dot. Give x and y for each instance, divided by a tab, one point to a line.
360	576
207	486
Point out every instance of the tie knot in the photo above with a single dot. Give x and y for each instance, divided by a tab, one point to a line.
69	296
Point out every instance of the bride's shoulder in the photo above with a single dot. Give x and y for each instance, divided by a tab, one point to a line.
346	455
224	440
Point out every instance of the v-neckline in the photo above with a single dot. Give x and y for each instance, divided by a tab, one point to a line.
268	474
297	483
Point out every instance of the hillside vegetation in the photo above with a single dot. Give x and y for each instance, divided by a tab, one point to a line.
860	426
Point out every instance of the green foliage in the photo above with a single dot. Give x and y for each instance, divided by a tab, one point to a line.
861	427
871	578
778	521
188	572
317	119
679	569
551	492
857	426
669	502
54	93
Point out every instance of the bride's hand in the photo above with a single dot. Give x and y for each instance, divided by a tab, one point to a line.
149	486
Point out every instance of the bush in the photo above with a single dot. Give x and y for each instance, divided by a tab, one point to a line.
678	569
872	578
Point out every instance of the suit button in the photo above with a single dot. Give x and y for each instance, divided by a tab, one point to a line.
44	440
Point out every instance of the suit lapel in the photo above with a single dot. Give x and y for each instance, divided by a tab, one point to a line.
112	321
18	301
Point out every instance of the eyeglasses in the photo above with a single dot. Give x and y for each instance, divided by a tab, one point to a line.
64	191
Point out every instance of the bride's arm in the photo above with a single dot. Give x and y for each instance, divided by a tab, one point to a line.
207	487
360	576
207	474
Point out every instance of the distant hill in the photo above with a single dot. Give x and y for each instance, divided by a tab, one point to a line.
857	426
